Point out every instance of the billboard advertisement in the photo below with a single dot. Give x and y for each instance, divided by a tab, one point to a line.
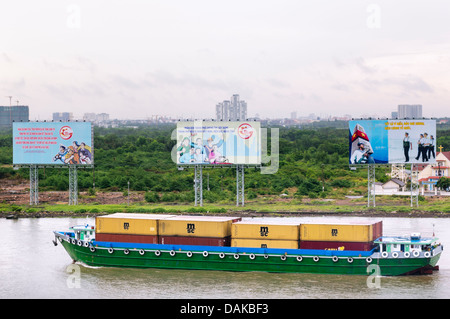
218	143
52	143
392	141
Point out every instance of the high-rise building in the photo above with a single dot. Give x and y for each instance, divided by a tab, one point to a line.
9	114
293	115
62	116
232	110
406	111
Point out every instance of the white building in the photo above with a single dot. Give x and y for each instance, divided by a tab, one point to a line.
232	110
406	111
431	173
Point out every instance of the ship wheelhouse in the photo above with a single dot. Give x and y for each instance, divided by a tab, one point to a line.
84	232
406	246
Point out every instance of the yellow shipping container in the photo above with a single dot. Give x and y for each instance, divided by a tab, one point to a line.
254	229
127	223
337	232
264	243
197	226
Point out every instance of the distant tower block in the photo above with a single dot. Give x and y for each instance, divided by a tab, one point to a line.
231	110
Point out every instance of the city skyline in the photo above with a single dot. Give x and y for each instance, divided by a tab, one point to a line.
178	59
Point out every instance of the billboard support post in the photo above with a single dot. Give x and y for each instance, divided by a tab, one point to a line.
34	182
371	185
73	185
414	187
240	185
198	185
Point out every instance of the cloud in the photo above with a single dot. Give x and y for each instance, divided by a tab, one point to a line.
6	57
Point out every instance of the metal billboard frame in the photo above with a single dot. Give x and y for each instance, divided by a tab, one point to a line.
198	171
73	174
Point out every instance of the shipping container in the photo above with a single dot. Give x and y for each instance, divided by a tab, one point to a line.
264	243
197	226
195	241
355	232
336	245
257	229
377	230
127	223
127	238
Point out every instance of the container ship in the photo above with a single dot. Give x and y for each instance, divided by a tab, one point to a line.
233	244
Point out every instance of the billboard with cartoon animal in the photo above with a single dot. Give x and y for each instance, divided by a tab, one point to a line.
52	143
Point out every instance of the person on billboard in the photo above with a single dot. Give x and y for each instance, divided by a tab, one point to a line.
360	141
71	156
421	148
199	157
209	147
84	154
187	157
61	155
407	145
431	148
362	156
184	148
426	145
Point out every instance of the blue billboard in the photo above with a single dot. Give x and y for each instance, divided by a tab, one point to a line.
52	143
392	141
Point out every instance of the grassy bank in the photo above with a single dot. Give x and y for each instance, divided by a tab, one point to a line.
392	206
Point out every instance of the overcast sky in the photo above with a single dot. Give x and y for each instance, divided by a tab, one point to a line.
138	58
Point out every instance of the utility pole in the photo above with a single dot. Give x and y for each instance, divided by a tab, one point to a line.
10	109
128	193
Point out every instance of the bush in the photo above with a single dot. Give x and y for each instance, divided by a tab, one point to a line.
91	191
251	195
341	183
151	197
312	195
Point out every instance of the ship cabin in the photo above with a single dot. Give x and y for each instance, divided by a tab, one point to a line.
84	232
413	245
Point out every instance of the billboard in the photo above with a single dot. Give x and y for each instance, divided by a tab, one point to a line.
52	143
392	141
218	143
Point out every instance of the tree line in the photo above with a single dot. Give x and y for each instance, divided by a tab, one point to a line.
313	162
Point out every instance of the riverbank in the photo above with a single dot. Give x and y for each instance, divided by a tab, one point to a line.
16	212
14	203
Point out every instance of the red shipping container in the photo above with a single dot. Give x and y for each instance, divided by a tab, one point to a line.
377	230
336	245
195	241
126	238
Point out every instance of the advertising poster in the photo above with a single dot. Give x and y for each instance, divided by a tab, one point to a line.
218	143
52	143
392	141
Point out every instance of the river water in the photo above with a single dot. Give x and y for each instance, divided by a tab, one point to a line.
32	267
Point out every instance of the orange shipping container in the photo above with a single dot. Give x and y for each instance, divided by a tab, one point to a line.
354	232
127	223
257	229
197	226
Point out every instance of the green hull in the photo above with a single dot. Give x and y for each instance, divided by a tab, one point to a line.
204	260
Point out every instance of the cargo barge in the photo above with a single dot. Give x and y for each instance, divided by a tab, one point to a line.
210	243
